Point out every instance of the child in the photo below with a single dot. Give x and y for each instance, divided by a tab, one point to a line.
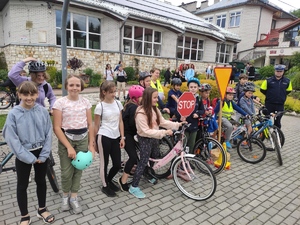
73	126
145	79
135	94
121	81
191	132
227	111
243	78
108	73
173	96
148	119
109	132
28	133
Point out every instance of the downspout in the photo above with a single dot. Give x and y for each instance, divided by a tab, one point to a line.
177	48
258	26
120	34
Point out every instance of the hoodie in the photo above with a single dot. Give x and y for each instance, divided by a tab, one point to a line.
14	76
27	129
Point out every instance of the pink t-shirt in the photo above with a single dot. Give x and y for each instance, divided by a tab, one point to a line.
73	112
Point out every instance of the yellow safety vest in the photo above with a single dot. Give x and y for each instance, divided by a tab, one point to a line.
157	86
227	111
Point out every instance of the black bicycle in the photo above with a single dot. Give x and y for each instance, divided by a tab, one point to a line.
50	170
7	99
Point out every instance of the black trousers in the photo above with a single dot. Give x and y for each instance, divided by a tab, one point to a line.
272	108
132	154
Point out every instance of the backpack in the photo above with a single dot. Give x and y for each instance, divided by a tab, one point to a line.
214	102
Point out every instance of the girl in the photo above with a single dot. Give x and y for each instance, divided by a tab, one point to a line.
108	73
148	119
28	133
38	75
109	132
72	119
135	94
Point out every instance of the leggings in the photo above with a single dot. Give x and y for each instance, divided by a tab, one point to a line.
147	146
132	154
23	173
229	128
109	147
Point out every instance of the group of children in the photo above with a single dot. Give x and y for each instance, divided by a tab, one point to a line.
114	128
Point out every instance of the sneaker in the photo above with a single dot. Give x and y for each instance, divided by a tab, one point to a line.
228	145
65	204
75	205
123	187
108	192
113	187
136	191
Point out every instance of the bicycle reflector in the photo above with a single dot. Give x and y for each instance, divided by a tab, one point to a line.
83	160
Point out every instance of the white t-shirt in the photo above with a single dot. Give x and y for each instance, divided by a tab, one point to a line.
110	119
73	112
109	74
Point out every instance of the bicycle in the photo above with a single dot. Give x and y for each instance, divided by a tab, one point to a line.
192	176
50	170
7	99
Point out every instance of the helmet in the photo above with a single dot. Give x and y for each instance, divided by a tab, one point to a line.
37	66
135	91
230	90
144	75
205	87
279	67
83	160
249	86
176	81
195	80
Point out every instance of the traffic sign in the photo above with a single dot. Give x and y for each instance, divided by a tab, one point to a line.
186	104
222	75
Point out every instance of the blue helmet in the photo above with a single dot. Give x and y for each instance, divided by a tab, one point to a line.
195	80
83	160
279	67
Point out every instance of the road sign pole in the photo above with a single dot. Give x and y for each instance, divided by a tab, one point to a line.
220	122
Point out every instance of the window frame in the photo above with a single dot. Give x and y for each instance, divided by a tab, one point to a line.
225	54
209	19
190	48
233	17
221	18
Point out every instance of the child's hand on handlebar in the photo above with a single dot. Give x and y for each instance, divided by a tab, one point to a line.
169	132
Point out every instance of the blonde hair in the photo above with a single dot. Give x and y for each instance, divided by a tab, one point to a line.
74	75
33	76
106	86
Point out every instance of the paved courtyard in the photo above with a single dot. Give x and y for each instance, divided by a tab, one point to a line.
265	193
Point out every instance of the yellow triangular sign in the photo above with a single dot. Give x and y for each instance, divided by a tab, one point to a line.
222	75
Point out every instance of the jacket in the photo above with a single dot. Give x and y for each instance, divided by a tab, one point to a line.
14	76
229	104
247	105
129	119
143	128
28	129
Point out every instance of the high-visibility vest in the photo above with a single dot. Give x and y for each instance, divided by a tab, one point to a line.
227	111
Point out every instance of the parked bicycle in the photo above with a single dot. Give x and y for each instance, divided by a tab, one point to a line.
7	98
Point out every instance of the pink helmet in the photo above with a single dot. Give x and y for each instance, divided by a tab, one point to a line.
135	91
230	90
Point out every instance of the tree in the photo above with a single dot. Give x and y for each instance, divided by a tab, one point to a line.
295	59
296	13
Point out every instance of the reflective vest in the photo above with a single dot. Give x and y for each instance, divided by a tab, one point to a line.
227	111
159	88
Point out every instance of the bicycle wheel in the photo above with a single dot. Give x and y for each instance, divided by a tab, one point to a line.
203	149
198	182
265	135
52	177
5	100
165	147
277	147
251	150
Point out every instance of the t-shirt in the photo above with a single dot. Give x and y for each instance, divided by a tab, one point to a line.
73	112
110	119
109	74
121	76
171	102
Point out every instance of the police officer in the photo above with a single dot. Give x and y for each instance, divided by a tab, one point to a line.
276	88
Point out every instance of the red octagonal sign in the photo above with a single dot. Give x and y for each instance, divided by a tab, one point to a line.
186	104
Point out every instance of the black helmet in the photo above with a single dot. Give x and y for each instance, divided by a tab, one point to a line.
37	66
176	81
205	87
249	86
144	75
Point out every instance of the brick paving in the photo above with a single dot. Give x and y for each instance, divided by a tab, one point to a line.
264	193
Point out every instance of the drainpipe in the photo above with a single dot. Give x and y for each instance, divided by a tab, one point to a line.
258	26
177	48
120	33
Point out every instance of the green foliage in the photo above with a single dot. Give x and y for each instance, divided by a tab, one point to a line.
130	71
50	62
296	13
295	59
95	78
296	81
51	70
3	64
161	74
3	74
88	71
75	63
266	71
58	77
133	82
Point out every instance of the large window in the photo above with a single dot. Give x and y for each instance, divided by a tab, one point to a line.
290	35
223	53
190	48
142	41
235	19
221	20
82	31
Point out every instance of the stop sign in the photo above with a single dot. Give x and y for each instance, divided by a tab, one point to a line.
186	104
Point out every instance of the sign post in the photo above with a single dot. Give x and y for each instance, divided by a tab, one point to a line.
222	75
186	104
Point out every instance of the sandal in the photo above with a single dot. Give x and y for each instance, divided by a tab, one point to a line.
46	220
27	218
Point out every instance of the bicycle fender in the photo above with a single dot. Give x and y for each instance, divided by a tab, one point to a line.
179	158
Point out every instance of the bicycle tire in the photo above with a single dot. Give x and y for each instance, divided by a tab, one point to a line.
165	146
202	144
251	150
5	100
202	184
277	147
280	133
52	178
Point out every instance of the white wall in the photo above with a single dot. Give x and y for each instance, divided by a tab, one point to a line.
1	30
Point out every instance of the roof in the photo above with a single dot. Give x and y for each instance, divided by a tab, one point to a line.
270	40
290	25
3	4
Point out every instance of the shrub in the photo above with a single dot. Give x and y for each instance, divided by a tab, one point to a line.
51	70
130	73
3	74
88	71
95	78
58	77
266	71
3	64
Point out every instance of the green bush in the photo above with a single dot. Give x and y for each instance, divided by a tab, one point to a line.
161	74
3	74
3	64
88	71
95	78
51	70
266	71
296	81
58	77
130	73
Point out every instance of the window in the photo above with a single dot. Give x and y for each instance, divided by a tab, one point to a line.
82	31
142	41
209	19
235	19
221	20
189	48
223	53
290	35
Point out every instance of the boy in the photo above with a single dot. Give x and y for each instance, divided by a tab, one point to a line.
243	78
173	95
